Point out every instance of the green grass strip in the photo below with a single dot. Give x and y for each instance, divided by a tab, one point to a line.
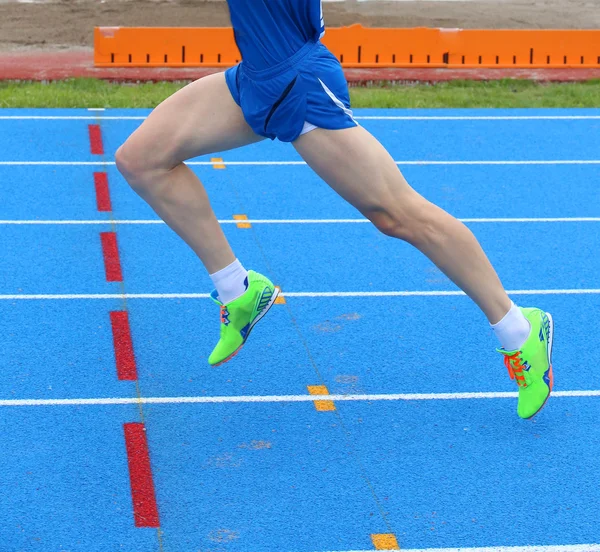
503	93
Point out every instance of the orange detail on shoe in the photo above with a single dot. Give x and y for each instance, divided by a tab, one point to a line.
224	315
514	364
230	356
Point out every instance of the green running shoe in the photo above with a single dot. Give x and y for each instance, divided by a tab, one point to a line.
240	315
531	367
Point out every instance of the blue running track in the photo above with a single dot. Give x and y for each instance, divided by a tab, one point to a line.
241	458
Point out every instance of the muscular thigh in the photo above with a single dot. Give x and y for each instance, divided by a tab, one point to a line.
199	119
357	167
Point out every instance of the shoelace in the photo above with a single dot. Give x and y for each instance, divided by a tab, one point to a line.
514	364
224	314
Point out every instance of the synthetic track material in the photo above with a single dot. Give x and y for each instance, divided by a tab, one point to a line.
424	443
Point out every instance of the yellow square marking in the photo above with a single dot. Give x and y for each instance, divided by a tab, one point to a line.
217	163
242	224
321	406
385	541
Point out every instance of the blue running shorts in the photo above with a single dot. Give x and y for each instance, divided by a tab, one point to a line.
304	92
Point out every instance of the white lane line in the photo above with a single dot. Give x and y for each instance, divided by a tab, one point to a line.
542	219
310	294
302	163
480	118
71	118
295	221
83	222
361	118
528	548
243	399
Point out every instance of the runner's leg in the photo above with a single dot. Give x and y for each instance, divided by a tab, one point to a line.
199	119
359	168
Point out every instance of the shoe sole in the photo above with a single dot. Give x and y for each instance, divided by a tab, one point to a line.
551	374
276	292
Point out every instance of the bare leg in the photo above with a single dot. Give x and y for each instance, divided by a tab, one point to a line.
199	119
359	168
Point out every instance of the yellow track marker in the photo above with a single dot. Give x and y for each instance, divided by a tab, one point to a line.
280	299
385	541
242	224
217	163
321	406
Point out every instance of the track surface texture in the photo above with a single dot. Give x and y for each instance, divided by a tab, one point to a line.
370	411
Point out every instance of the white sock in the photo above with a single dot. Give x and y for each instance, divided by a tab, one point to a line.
230	282
513	330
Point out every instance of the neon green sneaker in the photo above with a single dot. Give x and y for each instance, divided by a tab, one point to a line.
240	315
531	367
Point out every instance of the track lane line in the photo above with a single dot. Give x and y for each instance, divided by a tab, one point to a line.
527	548
308	294
247	399
302	163
484	220
357	117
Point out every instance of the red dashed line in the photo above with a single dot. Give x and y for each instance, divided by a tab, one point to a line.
125	359
96	145
102	192
110	251
145	509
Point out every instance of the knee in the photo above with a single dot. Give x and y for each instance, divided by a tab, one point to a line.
414	224
130	163
383	220
390	222
137	167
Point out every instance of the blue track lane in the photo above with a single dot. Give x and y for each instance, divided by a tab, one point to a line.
311	259
272	477
49	193
58	350
281	192
65	482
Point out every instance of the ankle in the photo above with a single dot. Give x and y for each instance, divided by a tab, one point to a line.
230	282
513	329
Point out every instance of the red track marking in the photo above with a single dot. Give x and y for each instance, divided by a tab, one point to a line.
102	192
96	146
145	510
110	251
126	367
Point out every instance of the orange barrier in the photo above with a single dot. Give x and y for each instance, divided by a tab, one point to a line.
358	46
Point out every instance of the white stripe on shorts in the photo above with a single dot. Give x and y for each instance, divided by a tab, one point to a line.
307	128
336	101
